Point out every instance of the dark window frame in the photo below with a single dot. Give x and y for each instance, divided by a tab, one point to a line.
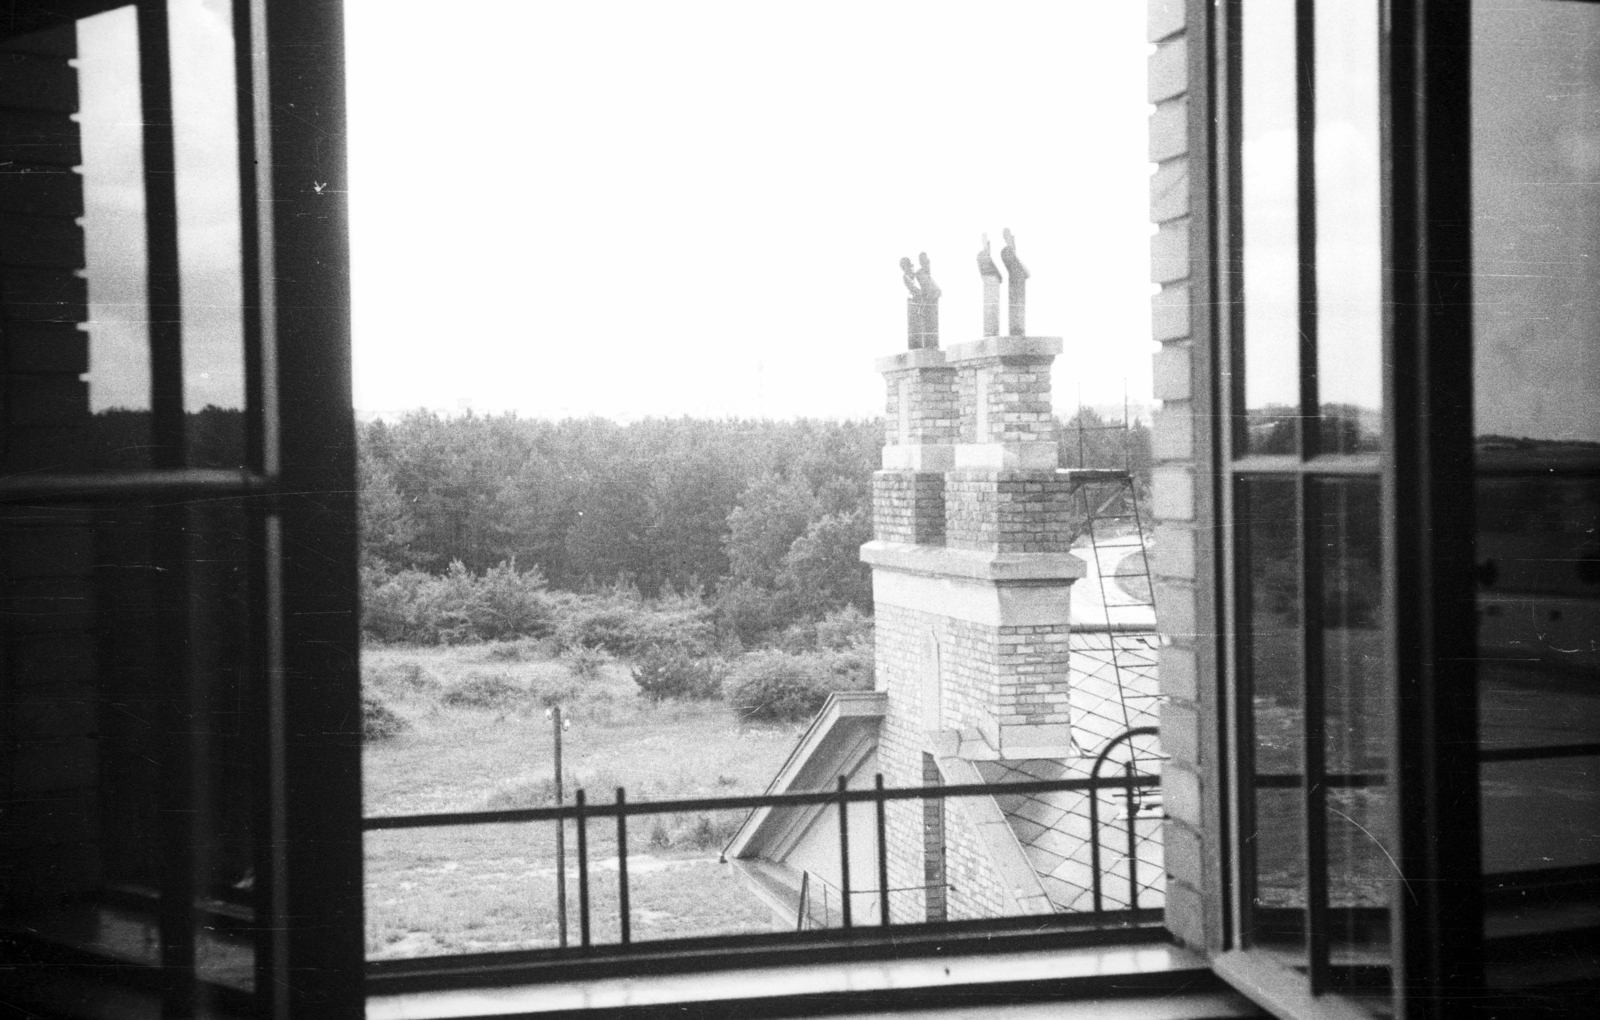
297	489
1426	474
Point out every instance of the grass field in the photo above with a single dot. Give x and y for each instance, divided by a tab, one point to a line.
492	887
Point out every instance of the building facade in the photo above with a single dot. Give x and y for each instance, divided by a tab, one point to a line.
1376	569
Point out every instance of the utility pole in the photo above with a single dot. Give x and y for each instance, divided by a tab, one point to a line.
554	715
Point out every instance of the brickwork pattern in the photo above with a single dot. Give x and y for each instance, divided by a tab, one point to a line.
908	506
931	392
935	881
1009	511
973	890
1015	401
1179	429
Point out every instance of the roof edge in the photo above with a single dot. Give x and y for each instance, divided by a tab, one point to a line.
840	705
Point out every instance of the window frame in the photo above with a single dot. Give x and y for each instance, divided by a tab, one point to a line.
297	489
1425	470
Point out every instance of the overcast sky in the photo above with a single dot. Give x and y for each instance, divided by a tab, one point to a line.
698	208
649	208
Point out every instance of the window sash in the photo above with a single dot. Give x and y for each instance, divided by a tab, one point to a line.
1425	474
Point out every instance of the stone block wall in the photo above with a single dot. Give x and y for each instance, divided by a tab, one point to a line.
1008	511
1033	675
908	506
921	406
1180	504
902	669
1006	400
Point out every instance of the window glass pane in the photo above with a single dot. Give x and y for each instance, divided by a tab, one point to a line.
1271	618
1271	363
1536	220
110	753
76	393
73	244
1357	704
206	149
1536	363
1349	229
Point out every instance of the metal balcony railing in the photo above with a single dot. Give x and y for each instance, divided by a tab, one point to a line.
1135	789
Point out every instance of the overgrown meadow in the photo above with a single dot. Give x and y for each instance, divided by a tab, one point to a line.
688	592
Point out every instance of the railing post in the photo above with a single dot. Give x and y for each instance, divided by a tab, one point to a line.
883	855
844	850
805	901
622	865
561	835
1094	840
1133	845
583	870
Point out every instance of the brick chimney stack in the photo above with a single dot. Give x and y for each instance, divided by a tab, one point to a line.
972	571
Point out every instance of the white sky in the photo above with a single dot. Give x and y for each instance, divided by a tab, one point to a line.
633	209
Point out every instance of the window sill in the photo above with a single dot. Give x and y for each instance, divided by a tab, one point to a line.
1143	968
1280	989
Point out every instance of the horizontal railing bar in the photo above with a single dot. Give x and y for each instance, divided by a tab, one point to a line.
95	487
1284	781
1333	780
1540	753
660	807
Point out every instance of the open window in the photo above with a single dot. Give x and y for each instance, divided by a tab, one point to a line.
1405	504
181	767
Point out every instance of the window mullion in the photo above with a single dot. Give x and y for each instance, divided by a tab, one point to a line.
1313	740
172	529
1306	220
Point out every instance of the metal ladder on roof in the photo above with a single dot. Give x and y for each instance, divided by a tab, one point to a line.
1109	501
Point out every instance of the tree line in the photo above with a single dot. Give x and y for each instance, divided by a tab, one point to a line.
766	517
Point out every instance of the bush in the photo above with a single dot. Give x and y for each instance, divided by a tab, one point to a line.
550	690
506	604
664	674
585	664
628	627
842	630
750	613
846	629
484	690
413	606
409	677
379	721
774	686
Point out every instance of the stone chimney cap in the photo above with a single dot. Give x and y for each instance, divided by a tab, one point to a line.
1004	347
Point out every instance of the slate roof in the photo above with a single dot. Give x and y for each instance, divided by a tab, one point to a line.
1053	828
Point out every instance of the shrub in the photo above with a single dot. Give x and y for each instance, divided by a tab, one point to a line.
710	833
669	673
606	625
774	686
507	604
585	664
846	629
379	721
627	626
749	613
660	838
399	606
404	676
410	605
484	690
